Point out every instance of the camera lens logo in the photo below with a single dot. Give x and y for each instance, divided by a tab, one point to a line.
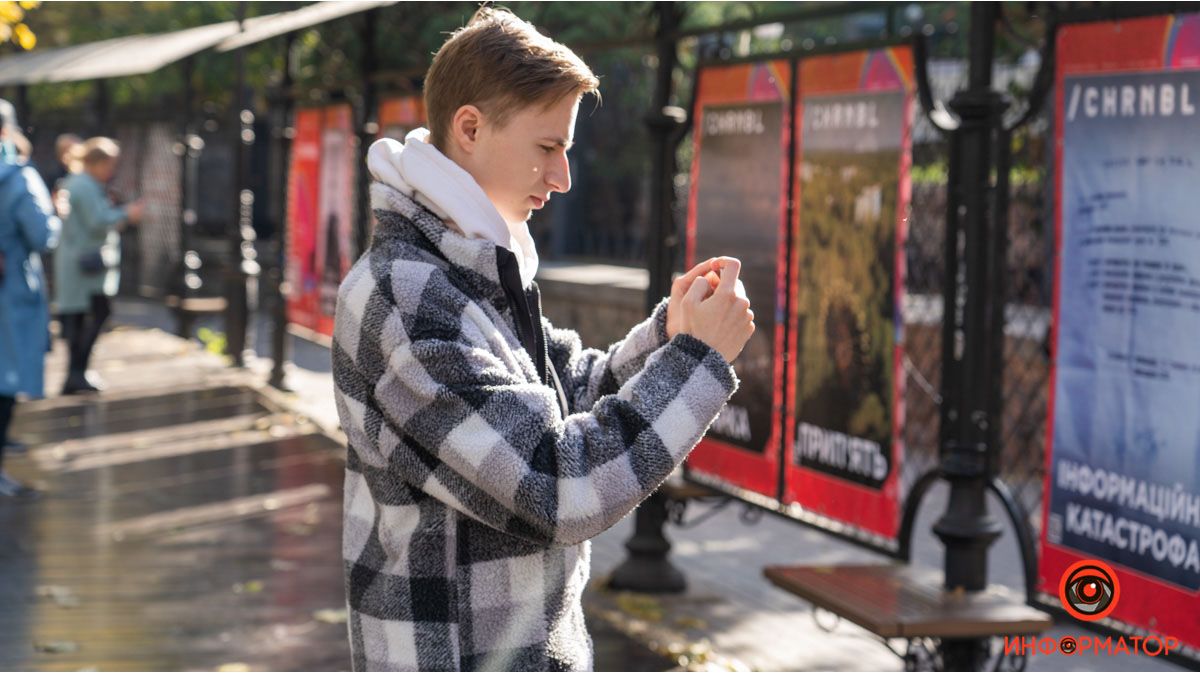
1089	590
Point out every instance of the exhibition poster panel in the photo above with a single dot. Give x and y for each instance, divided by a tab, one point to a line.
1123	438
301	272
852	190
335	209
738	207
400	115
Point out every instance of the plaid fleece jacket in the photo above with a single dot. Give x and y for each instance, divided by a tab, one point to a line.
469	498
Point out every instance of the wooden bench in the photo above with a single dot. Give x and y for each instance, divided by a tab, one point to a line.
897	601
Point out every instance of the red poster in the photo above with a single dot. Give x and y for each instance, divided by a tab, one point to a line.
335	209
843	445
400	115
1121	509
302	277
320	214
738	207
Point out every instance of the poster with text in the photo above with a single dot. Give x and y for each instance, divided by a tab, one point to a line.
302	272
852	190
1123	438
738	207
335	209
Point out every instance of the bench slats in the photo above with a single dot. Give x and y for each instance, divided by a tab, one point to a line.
895	601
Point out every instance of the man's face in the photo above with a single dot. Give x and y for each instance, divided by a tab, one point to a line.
103	170
521	163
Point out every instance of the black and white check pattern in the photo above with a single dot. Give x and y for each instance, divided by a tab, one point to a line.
469	499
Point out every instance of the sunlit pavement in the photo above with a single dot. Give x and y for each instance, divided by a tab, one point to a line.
188	519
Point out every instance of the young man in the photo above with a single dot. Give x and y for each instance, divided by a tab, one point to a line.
486	446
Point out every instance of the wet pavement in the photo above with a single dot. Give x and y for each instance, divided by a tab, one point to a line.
188	520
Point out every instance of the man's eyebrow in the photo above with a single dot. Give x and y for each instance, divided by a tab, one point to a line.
557	140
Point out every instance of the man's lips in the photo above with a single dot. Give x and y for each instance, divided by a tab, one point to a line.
538	202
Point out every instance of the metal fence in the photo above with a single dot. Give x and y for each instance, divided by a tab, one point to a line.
151	168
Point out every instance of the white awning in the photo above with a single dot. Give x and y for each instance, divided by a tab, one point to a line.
141	54
266	27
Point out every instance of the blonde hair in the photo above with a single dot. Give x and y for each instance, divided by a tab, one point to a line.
91	152
500	64
64	144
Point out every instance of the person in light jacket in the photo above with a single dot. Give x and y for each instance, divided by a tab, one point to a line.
28	226
87	264
486	447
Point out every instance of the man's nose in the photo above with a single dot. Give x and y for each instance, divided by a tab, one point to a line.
558	175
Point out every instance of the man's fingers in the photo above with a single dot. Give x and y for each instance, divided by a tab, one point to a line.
729	275
698	290
697	271
714	280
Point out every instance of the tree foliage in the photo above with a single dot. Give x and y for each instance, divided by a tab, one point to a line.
13	26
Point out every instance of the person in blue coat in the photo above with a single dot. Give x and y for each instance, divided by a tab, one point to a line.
28	226
87	264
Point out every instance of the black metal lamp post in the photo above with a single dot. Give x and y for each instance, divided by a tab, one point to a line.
972	330
242	272
647	569
281	135
367	126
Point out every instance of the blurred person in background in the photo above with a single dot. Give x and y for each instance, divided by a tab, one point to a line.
64	147
87	265
27	227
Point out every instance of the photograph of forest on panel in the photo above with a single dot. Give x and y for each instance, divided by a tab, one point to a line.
737	213
846	330
852	185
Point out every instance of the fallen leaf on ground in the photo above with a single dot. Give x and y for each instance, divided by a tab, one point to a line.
640	606
330	615
250	587
691	622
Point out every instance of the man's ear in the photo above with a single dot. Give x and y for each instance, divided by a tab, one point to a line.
464	128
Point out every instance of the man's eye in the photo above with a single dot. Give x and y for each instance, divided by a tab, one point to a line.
548	149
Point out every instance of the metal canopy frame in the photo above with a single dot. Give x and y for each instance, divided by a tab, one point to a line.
142	54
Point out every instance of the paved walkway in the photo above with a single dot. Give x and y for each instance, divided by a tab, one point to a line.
730	618
189	519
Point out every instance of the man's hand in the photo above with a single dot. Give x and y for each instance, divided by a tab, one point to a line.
135	211
708	270
720	317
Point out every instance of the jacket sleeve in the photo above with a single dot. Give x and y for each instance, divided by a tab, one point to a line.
444	412
93	210
35	213
588	374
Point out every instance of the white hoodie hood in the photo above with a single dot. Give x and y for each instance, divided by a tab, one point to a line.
422	172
